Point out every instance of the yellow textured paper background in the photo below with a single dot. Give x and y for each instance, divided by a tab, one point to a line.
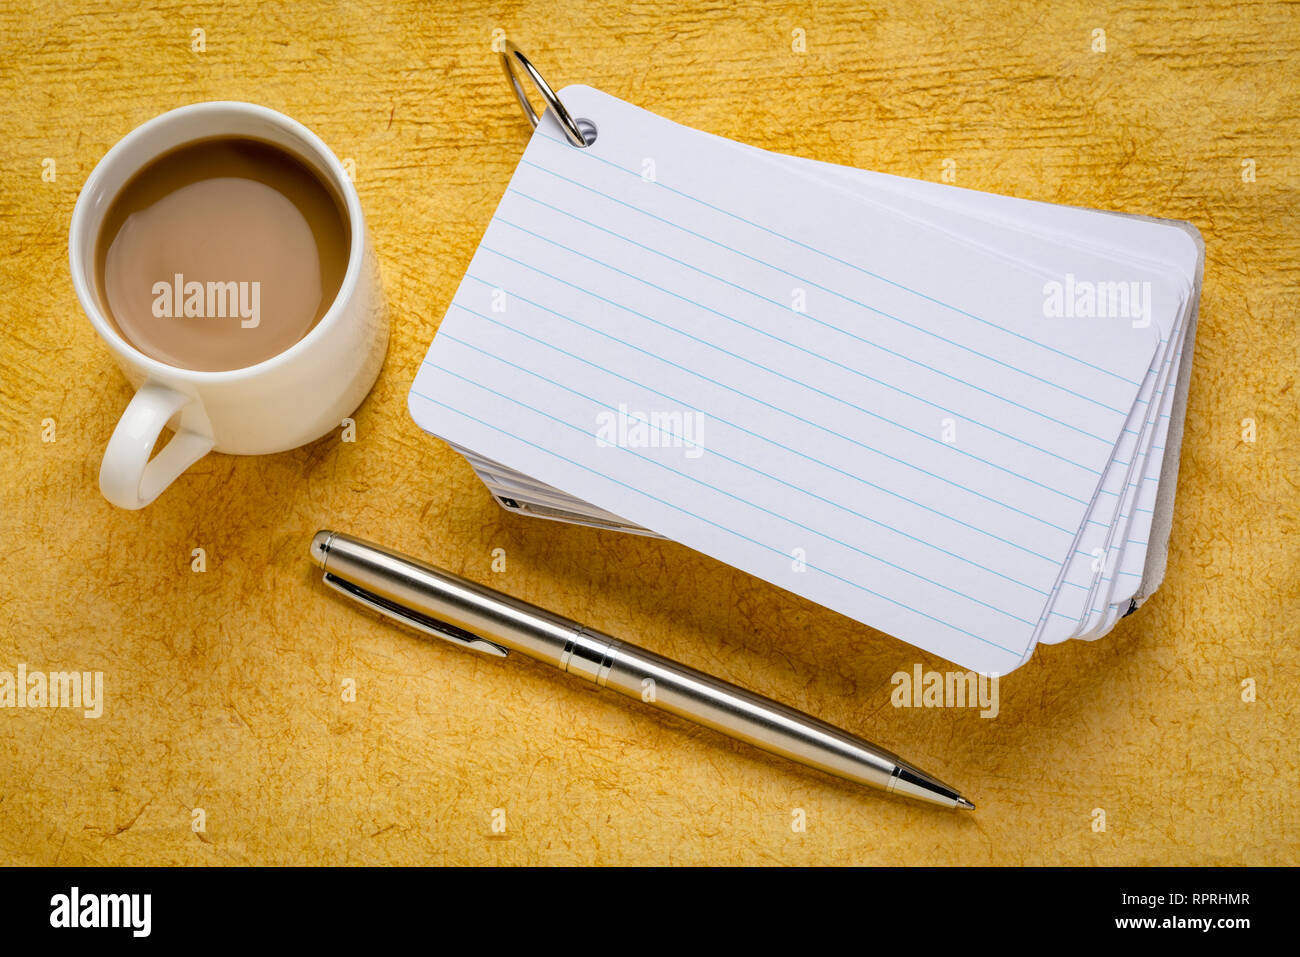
223	688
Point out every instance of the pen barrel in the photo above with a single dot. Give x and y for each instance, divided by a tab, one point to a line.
422	595
779	729
441	595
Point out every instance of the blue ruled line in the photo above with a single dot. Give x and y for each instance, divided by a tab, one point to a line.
730	495
875	415
781	375
591	155
757	435
752	468
820	322
723	528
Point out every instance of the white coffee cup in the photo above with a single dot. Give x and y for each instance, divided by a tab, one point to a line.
281	403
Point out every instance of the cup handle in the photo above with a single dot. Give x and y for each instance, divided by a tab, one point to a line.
128	477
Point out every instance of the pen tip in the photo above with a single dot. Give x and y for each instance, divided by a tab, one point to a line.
964	804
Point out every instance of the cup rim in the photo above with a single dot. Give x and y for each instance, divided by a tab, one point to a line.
161	370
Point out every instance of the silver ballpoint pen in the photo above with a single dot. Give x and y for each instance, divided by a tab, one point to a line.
476	617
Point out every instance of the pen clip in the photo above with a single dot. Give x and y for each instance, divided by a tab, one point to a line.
430	626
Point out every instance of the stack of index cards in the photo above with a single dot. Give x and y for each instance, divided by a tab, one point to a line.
952	416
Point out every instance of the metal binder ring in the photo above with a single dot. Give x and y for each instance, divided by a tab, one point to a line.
571	131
